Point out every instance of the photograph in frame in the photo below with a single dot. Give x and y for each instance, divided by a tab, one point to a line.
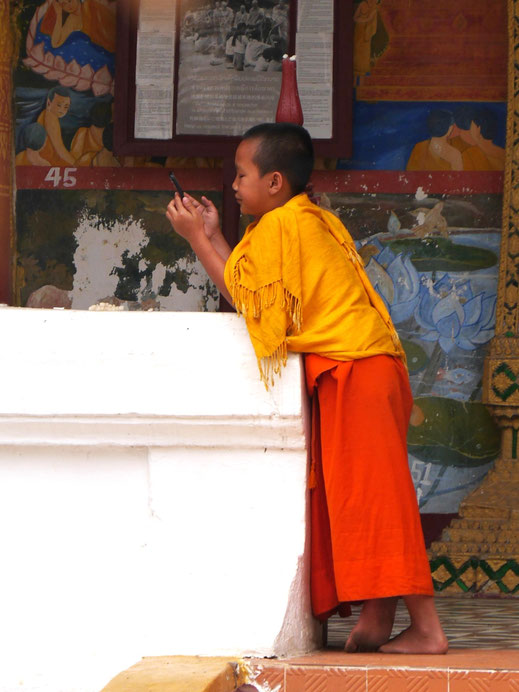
230	57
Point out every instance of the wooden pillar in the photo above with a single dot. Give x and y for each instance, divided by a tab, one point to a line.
479	551
6	151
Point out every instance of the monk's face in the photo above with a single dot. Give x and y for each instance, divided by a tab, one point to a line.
251	189
59	106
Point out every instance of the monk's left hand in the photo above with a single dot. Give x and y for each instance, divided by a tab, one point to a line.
185	219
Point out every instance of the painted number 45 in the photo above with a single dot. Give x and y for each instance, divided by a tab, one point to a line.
54	176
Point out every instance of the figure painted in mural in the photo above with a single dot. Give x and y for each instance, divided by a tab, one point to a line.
460	137
34	138
104	157
370	38
301	286
436	153
484	155
57	106
87	141
80	30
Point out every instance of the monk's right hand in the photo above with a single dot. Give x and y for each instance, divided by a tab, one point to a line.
209	214
185	219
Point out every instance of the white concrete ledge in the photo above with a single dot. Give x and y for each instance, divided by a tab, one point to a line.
273	432
71	362
155	495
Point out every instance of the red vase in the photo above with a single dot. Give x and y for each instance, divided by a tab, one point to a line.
289	106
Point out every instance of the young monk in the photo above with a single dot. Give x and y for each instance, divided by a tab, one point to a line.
300	284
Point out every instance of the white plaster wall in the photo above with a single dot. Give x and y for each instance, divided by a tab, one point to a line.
152	496
100	250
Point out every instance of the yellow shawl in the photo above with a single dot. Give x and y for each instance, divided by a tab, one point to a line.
297	279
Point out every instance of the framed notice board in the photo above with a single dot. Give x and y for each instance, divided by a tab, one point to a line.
193	75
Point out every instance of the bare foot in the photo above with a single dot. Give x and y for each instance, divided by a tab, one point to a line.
424	635
414	641
373	627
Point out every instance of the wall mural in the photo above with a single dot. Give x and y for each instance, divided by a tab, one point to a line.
441	51
434	260
406	135
425	101
75	248
430	85
64	83
79	248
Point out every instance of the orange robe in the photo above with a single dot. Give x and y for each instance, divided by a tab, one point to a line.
89	145
476	160
48	152
367	540
422	159
21	159
97	21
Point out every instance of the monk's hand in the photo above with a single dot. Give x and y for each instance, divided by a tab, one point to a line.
185	219
209	215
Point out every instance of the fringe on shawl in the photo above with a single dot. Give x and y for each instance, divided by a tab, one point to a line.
251	303
271	365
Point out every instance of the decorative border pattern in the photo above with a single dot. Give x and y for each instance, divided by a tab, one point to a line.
508	290
475	575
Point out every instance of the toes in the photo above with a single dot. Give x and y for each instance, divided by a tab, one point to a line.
351	646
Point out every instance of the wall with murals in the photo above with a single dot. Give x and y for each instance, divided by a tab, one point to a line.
84	234
421	196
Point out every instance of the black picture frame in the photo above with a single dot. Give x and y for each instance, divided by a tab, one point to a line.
339	145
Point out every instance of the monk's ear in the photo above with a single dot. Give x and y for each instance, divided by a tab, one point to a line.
276	182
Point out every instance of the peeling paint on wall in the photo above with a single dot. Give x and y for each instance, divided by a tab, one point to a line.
100	259
107	246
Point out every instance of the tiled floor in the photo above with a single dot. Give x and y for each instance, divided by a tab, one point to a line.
469	623
483	657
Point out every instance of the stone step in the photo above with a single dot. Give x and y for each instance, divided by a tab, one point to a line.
475	535
473	511
505	550
485	524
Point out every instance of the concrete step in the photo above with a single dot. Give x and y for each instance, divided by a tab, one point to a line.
181	674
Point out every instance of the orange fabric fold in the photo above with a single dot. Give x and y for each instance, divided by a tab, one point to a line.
367	540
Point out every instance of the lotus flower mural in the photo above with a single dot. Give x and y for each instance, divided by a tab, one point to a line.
446	310
451	315
83	60
397	282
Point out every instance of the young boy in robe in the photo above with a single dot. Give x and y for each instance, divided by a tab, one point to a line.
57	106
300	284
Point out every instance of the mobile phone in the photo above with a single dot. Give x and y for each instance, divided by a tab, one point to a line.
175	182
